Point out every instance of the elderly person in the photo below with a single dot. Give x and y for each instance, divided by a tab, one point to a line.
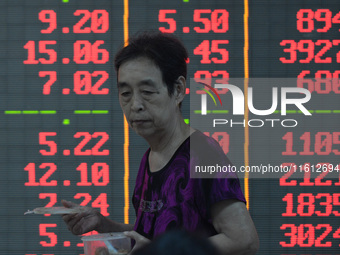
151	85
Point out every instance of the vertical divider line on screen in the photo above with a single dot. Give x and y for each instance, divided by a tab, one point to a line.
246	77
126	126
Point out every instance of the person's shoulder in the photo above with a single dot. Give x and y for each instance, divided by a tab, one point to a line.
204	145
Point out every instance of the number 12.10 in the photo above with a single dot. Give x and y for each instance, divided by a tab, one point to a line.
100	174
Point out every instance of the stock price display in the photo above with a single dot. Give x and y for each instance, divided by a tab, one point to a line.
63	136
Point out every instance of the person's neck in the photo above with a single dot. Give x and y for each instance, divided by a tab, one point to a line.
171	140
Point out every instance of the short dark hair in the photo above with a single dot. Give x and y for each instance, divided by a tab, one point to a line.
165	50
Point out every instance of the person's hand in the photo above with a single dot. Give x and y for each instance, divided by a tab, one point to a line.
140	240
81	223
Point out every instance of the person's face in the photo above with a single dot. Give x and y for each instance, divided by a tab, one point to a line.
144	98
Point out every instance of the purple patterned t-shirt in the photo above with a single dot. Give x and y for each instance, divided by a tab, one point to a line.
170	199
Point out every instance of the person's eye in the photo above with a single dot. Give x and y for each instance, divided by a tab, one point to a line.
125	94
148	92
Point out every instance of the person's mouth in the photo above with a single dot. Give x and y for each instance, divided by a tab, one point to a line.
139	122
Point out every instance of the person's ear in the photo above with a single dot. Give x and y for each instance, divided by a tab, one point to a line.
180	88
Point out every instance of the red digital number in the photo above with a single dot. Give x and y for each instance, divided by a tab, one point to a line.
327	204
99	21
48	16
322	167
83	175
205	50
104	138
223	52
301	46
307	208
205	21
305	24
324	49
308	46
218	22
82	52
336	43
87	198
306	177
291	50
336	19
83	83
78	150
323	235
306	232
162	18
95	150
336	234
289	144
323	143
306	145
222	77
51	235
323	79
99	172
52	79
50	52
305	20
336	202
309	204
99	56
52	197
202	77
51	144
291	234
31	175
337	168
30	168
99	202
284	178
104	77
324	84
324	15
290	205
77	27
301	81
206	78
30	46
51	169
304	235
85	52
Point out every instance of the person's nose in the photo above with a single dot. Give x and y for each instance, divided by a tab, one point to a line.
137	103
